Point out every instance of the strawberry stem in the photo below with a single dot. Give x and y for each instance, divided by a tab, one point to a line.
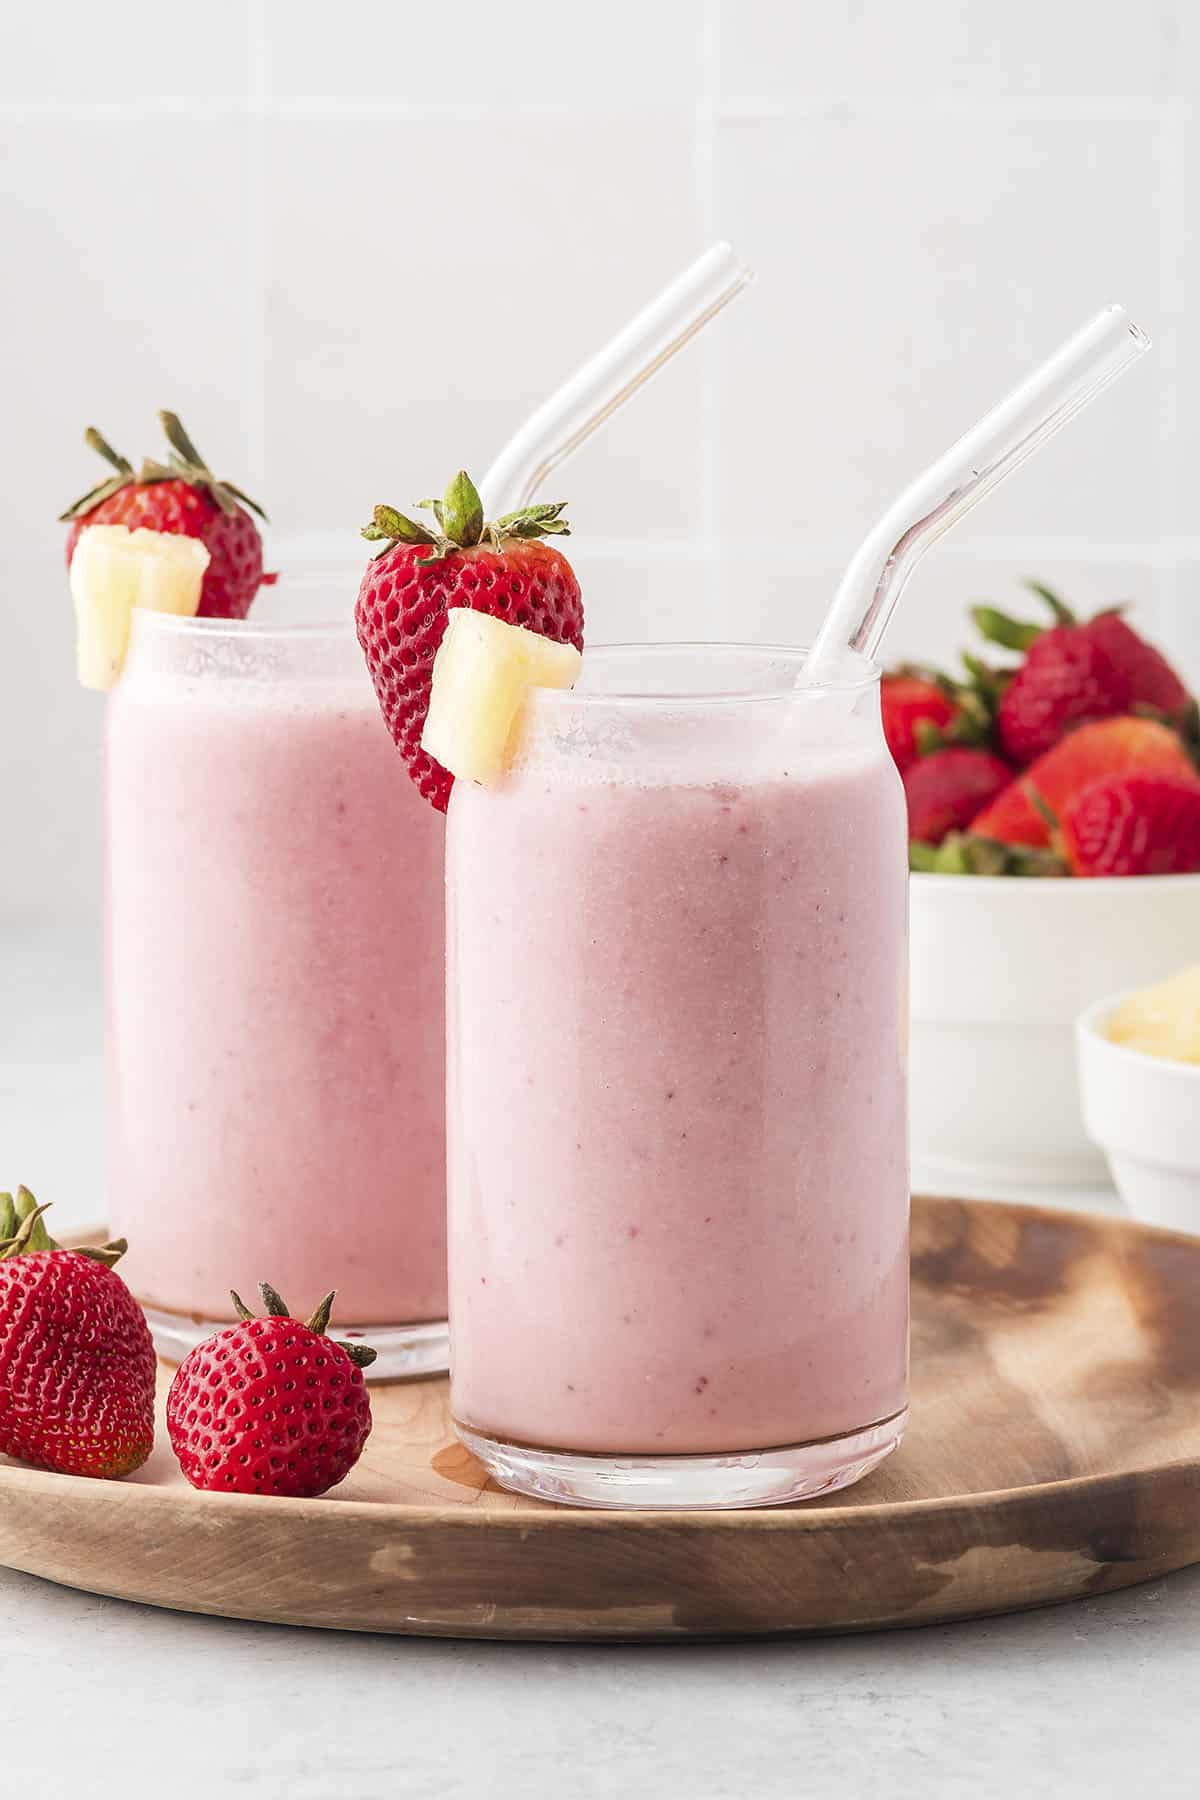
361	1355
460	522
184	463
22	1230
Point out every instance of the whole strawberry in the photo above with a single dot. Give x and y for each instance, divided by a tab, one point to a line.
502	569
1073	673
910	699
77	1365
270	1405
948	788
1134	825
183	496
1104	749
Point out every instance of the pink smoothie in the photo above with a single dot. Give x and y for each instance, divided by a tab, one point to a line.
276	999
678	1192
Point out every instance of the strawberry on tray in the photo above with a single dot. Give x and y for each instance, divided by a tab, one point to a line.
1079	758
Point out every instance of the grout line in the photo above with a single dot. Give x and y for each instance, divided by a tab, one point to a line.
906	109
1158	553
712	370
332	543
257	250
746	109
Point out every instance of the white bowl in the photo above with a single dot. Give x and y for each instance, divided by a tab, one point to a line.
1144	1111
1001	969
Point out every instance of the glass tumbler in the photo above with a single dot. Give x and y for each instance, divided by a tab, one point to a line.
275	990
678	1185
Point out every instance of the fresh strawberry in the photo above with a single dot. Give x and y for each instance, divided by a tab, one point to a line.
1134	825
1152	680
1012	818
909	699
1109	747
1074	672
948	788
1065	680
408	589
76	1361
270	1406
185	497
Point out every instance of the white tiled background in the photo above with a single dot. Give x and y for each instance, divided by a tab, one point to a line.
354	245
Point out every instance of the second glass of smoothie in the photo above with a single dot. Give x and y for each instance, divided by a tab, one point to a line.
677	1040
276	1005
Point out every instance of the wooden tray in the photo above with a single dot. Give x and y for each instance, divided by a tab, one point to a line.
1054	1451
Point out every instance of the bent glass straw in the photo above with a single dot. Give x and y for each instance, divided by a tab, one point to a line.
1064	384
612	376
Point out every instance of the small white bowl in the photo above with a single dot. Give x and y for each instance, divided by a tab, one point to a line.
1144	1112
1001	969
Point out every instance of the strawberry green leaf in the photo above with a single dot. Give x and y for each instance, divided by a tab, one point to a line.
397	528
1062	614
998	628
461	517
320	1318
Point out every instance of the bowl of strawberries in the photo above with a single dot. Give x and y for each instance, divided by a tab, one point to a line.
1053	795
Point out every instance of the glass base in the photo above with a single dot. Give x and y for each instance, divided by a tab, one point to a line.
746	1478
403	1350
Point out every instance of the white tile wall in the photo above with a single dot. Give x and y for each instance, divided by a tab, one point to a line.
354	245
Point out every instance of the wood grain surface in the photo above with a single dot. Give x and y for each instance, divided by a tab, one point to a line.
1054	1451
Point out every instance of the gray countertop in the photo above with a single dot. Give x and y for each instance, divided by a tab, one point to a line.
1095	1699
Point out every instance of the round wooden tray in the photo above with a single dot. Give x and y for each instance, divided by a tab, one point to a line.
1054	1451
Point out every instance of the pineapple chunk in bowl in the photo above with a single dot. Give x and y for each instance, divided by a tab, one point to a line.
1000	971
1139	1078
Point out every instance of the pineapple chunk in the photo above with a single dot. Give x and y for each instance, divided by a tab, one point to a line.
482	673
115	569
1163	1020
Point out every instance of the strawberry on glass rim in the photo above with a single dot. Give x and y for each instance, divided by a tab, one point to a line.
503	570
180	496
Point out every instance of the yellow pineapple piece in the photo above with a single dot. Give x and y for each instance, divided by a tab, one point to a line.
115	569
482	673
1162	1020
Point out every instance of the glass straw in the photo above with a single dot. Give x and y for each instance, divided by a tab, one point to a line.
612	376
1064	384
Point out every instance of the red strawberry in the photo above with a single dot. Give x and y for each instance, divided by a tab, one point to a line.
1134	825
76	1361
182	496
500	569
1152	680
947	789
1012	818
270	1406
908	700
1108	747
1074	672
1066	679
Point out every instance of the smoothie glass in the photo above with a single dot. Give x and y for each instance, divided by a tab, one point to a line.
678	1184
275	989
